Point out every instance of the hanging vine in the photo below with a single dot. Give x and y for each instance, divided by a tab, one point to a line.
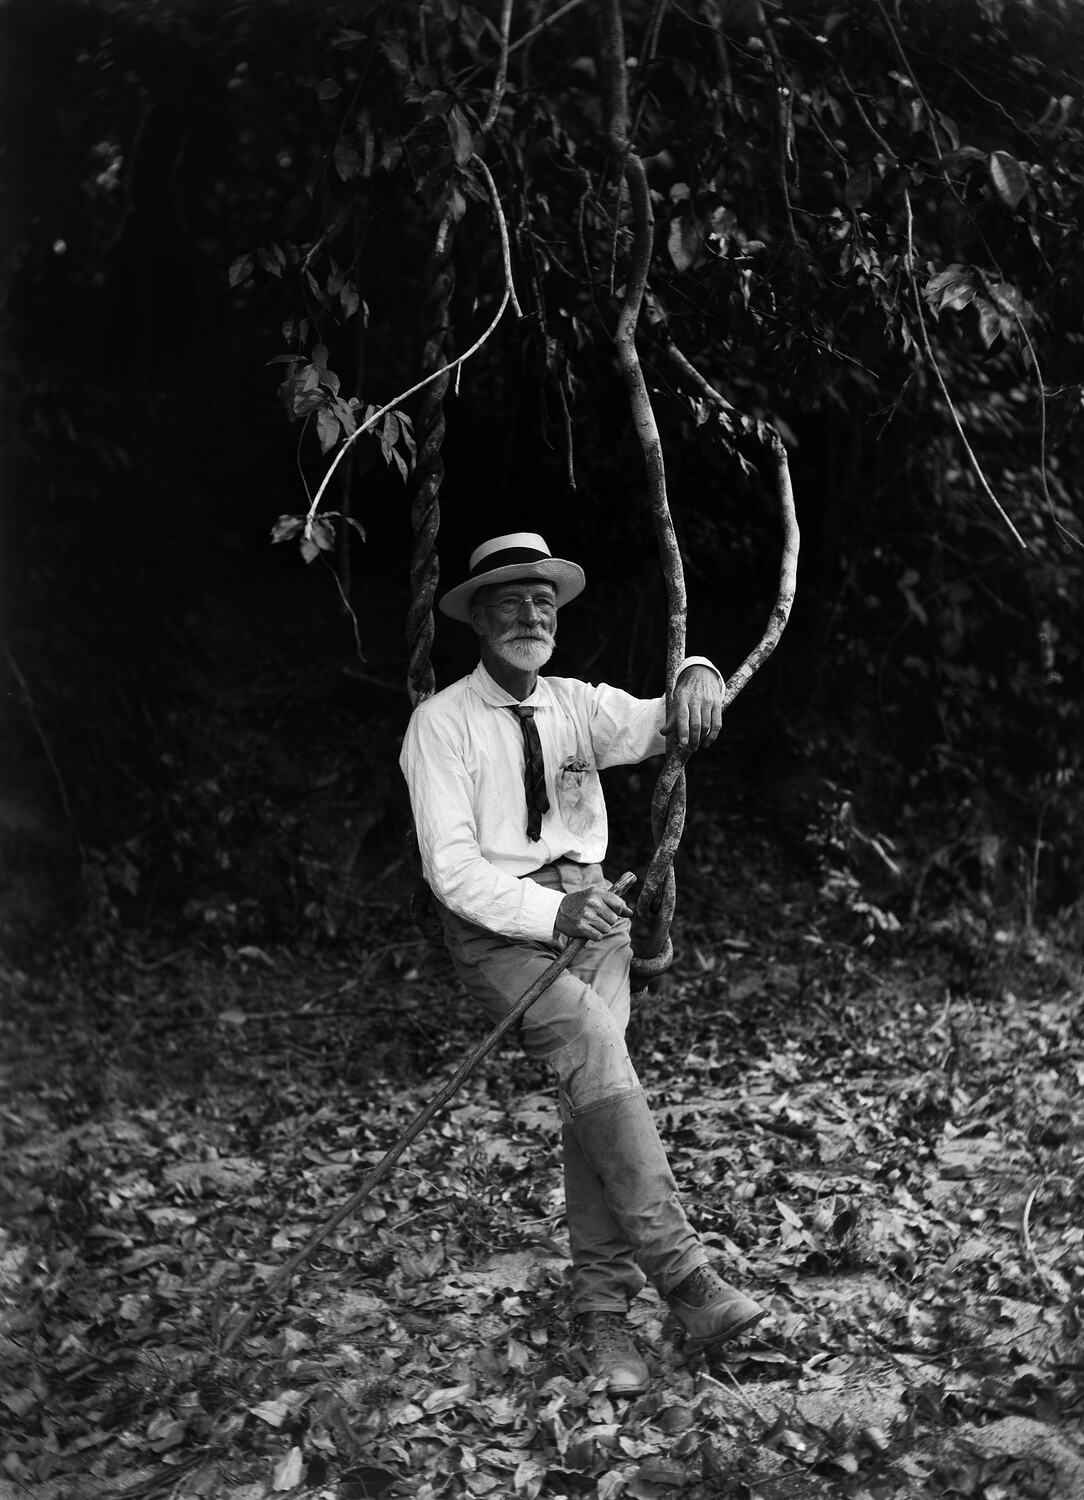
425	509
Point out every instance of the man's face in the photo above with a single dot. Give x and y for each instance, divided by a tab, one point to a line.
517	622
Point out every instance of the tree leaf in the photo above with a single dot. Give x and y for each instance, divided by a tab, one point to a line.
287	1475
272	259
286	527
327	429
954	287
1009	178
274	1413
347	160
683	243
323	534
858	186
459	133
345	415
991	322
787	1214
328	88
397	57
240	269
436	103
448	1397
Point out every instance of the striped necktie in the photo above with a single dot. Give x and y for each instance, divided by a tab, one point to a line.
534	771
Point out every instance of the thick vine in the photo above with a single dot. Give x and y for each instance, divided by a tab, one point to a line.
658	893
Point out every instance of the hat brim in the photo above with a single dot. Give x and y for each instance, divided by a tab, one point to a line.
567	579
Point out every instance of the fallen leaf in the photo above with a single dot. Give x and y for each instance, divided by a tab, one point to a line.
287	1475
449	1396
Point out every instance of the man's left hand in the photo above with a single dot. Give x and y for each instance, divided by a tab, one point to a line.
696	713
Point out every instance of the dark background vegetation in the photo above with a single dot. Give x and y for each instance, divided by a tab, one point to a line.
184	703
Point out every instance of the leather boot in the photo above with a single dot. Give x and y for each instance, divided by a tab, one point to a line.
611	1353
711	1310
605	1276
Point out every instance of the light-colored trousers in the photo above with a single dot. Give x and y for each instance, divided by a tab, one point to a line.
625	1218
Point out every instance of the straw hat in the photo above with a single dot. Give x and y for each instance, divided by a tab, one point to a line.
519	554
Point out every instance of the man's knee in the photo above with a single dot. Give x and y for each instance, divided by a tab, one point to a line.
571	1013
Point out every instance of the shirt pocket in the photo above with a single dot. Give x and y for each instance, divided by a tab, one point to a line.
578	792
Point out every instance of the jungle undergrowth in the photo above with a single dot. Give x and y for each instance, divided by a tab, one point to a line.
859	1137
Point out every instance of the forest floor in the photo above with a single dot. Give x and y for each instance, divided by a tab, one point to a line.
877	1126
882	1143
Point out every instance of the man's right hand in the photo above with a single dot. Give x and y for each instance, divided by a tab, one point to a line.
590	913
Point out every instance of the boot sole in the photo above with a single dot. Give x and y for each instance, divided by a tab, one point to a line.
624	1392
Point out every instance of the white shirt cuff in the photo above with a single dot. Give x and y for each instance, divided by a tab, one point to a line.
700	661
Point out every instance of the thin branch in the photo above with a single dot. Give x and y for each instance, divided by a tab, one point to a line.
502	226
928	348
906	61
1042	1275
461	359
964	207
784	118
651	36
39	730
566	415
693	375
1004	306
347	607
502	70
527	36
1066	534
866	121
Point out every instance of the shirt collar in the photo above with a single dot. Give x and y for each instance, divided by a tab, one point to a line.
492	693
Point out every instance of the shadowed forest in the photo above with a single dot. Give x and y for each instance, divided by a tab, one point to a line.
300	301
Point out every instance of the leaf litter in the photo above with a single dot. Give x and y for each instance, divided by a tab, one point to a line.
891	1166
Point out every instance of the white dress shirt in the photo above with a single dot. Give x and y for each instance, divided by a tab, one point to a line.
463	761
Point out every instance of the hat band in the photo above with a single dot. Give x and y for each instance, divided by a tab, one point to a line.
506	558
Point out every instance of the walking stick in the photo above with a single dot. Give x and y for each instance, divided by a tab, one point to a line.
421	1120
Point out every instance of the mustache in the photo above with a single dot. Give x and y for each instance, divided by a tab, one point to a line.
542	637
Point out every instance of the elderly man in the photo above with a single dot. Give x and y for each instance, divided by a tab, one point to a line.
503	771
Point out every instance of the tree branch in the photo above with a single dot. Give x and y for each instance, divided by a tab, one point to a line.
628	162
655	906
788	565
528	36
502	70
371	421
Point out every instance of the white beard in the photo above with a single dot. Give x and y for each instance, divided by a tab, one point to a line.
525	656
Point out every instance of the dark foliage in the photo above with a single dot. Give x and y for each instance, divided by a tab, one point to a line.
868	230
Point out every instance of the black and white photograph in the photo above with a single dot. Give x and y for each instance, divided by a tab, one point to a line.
541	749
